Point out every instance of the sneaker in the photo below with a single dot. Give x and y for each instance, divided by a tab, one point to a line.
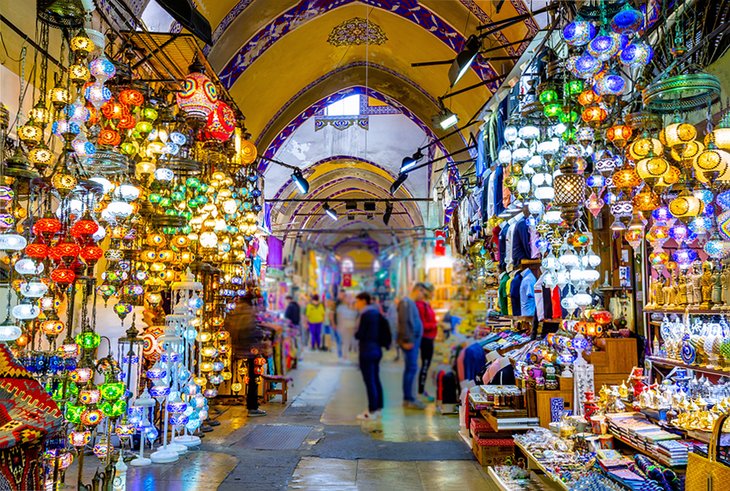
378	414
414	405
366	416
426	396
256	413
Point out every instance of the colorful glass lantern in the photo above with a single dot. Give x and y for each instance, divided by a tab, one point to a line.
594	114
198	97
131	97
579	32
605	45
628	20
63	276
644	147
88	340
677	134
586	66
610	84
221	122
619	135
637	54
686	206
626	177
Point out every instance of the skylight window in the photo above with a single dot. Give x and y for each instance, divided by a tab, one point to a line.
347	106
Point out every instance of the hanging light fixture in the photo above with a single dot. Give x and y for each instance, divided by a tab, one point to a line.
300	181
398	182
410	162
445	119
464	59
329	211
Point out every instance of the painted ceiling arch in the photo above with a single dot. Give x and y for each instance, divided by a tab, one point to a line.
229	12
303	56
308	10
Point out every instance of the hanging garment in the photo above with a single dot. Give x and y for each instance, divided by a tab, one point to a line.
515	294
527	293
502	293
508	289
503	245
522	243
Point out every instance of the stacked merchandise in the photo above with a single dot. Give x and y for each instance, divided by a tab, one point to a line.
674	452
636	430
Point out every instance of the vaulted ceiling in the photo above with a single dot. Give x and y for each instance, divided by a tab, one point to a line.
281	59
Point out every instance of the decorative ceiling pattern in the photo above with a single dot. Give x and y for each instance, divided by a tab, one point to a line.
357	31
307	10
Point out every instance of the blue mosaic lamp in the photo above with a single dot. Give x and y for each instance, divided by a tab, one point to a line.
579	32
610	84
628	20
684	256
605	46
586	66
636	54
681	233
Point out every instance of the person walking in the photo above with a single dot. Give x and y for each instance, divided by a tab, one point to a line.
314	314
247	340
430	330
368	335
346	317
331	323
293	312
410	330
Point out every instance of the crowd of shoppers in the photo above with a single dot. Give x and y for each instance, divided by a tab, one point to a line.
362	324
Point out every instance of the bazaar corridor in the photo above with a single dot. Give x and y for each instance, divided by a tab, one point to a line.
314	442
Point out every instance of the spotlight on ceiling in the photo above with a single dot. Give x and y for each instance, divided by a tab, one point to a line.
398	183
410	162
388	212
445	119
299	180
464	59
329	211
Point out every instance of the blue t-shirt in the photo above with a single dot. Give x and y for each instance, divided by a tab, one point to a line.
527	293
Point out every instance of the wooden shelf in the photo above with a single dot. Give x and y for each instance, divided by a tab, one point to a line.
654	455
699	368
687	311
532	463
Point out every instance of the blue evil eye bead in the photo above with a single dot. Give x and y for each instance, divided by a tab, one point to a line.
256	193
257	208
604	46
586	66
610	84
253	177
628	20
579	32
636	54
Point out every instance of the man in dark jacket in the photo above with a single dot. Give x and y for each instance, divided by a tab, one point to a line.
368	334
247	341
293	312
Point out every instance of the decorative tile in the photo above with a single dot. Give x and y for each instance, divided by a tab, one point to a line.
357	31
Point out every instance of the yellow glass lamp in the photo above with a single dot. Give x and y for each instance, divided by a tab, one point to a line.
64	183
646	200
677	134
40	114
644	147
670	177
40	156
686	153
619	135
651	167
711	164
81	44
686	206
79	73
30	134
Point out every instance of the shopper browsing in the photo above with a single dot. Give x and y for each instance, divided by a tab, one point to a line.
293	312
314	314
410	331
368	335
247	341
430	329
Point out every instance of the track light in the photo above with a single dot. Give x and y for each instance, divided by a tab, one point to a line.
410	162
398	182
464	59
329	211
445	119
388	212
299	180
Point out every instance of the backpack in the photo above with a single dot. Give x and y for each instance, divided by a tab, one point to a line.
385	339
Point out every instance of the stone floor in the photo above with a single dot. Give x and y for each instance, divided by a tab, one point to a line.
315	442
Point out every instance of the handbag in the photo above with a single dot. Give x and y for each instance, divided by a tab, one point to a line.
706	473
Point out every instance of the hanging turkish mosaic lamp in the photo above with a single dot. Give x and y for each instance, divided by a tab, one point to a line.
628	20
579	32
686	206
198	96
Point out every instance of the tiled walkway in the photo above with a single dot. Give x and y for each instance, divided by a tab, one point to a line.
328	449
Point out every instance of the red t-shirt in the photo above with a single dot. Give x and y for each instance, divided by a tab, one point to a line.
428	318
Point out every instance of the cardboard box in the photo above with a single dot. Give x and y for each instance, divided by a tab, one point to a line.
498	451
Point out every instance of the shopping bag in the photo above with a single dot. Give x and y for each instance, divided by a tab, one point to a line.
706	473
